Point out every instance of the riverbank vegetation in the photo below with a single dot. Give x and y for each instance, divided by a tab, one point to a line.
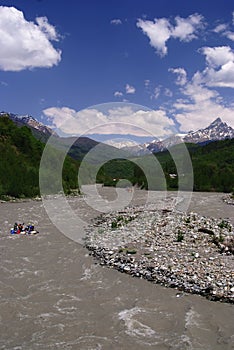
20	161
213	166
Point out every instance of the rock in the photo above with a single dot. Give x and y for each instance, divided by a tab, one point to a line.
145	246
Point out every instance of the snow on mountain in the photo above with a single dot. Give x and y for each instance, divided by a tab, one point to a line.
121	143
129	146
217	130
31	122
137	150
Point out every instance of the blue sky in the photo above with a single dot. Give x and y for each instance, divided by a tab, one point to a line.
61	61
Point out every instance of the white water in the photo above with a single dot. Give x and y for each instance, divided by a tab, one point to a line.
53	295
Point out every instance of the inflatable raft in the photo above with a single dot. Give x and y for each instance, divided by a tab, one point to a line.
20	229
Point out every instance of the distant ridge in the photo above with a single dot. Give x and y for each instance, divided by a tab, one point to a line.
79	146
39	130
216	131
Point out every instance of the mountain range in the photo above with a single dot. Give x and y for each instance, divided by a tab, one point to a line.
39	130
21	151
217	130
75	147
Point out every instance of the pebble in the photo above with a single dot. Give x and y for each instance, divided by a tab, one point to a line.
229	199
181	250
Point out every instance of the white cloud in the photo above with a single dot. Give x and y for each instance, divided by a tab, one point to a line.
181	75
147	83
118	94
220	66
24	44
47	28
116	21
229	35
186	28
157	92
217	56
224	30
158	32
130	89
161	30
220	28
122	120
200	106
168	92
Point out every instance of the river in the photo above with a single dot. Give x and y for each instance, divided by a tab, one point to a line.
53	295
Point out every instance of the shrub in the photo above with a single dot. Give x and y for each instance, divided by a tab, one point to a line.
180	236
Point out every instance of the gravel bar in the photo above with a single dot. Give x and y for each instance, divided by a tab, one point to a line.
186	251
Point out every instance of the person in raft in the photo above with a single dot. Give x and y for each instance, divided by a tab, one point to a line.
20	228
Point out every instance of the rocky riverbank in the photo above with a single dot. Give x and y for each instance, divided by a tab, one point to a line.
229	199
185	251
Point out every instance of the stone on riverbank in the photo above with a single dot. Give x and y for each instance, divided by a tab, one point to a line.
186	251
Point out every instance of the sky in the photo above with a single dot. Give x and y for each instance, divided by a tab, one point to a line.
118	67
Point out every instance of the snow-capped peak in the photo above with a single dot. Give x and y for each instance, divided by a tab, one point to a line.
217	130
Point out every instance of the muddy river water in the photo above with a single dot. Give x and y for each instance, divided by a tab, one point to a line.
53	295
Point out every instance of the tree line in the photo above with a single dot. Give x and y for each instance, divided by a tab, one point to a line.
213	166
20	161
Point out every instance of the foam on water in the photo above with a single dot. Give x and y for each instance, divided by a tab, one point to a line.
143	334
88	272
135	328
192	319
54	296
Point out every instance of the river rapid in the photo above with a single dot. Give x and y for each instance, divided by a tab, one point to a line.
54	295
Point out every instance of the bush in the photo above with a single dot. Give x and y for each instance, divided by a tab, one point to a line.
180	236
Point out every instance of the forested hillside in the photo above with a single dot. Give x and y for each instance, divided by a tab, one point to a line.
213	167
20	160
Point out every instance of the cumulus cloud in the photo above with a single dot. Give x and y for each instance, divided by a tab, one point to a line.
147	83
25	44
186	28
121	120
47	28
181	75
161	30
220	28
230	35
118	94
200	106
224	31
168	92
220	66
158	32
116	21
130	89
156	92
